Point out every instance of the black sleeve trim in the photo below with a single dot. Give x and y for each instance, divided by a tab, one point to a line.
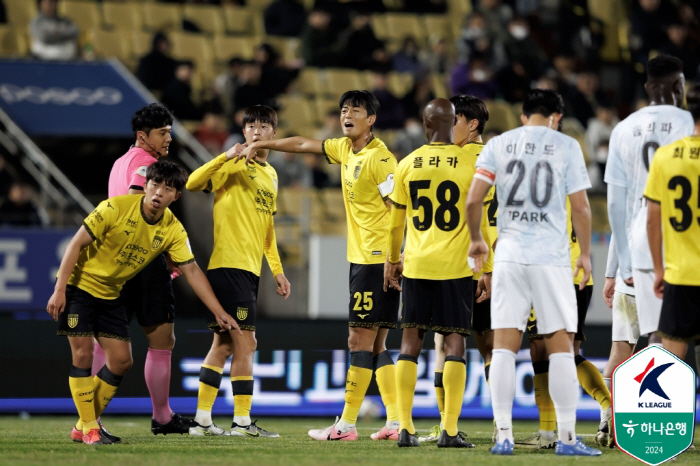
652	200
323	151
184	263
92	235
397	205
274	213
209	188
133	186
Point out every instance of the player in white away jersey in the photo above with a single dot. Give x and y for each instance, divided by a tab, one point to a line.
632	146
534	168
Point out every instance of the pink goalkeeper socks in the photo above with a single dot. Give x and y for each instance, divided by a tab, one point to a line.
98	359
157	373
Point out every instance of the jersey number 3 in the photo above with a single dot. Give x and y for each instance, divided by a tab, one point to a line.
446	214
682	203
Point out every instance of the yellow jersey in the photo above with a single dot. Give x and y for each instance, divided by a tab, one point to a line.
674	182
574	247
124	243
432	184
368	180
245	199
489	228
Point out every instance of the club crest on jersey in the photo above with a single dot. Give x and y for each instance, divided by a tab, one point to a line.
242	313
157	242
72	320
356	173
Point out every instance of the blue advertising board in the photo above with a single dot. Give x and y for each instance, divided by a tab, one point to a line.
68	99
29	260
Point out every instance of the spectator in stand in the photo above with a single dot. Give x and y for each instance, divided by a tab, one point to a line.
474	78
497	17
598	135
437	58
410	138
285	18
53	37
425	6
292	172
212	133
251	92
319	46
649	20
177	95
361	46
18	209
157	68
521	47
476	38
236	130
564	66
275	77
417	98
319	177
681	45
584	98
406	59
227	83
391	115
514	82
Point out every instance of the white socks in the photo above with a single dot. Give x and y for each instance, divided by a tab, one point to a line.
243	421
343	426
203	418
502	384
603	412
563	388
392	425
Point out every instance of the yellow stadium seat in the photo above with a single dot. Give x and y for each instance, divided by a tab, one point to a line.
439	85
110	44
341	80
12	43
380	27
325	105
611	14
500	116
437	25
226	47
141	43
310	81
162	16
459	7
258	4
85	14
296	113
400	83
195	47
20	12
289	48
207	17
401	25
122	15
239	20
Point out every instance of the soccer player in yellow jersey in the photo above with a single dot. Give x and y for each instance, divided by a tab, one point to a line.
245	200
368	179
673	226
116	241
472	116
431	185
588	375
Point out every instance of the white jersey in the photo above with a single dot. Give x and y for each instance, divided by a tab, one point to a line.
534	169
632	146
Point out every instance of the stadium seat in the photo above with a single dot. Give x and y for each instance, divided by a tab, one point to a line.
141	43
459	7
121	15
297	113
401	25
324	106
611	14
439	85
162	16
341	80
380	27
238	20
207	17
195	47
400	83
226	47
85	14
110	44
20	12
258	5
288	47
12	42
437	25
310	82
500	116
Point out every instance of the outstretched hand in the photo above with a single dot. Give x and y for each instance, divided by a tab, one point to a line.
235	151
247	154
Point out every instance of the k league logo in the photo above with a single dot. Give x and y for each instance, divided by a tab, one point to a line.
653	405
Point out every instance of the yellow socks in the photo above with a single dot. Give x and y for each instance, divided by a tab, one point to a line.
209	384
106	384
242	386
385	372
83	393
454	379
356	384
548	417
406	377
440	394
592	381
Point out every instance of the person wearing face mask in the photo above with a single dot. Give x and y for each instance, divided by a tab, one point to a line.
521	47
477	39
474	78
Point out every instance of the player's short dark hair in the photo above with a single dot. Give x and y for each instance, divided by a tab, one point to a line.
663	65
170	173
362	99
260	113
150	117
471	108
543	102
693	99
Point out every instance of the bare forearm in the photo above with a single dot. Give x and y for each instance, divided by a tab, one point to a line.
296	144
70	259
474	214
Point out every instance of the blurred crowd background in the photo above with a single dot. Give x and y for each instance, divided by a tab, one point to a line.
209	60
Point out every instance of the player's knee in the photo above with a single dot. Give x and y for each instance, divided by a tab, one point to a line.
224	350
121	364
82	356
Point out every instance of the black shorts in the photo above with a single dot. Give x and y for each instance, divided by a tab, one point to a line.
237	291
680	312
149	295
443	306
481	317
370	306
583	301
87	316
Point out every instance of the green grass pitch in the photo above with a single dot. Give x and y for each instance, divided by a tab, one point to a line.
44	440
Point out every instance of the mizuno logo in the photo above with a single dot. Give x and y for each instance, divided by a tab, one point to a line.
128	232
88	401
362	316
385	160
110	205
251	177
